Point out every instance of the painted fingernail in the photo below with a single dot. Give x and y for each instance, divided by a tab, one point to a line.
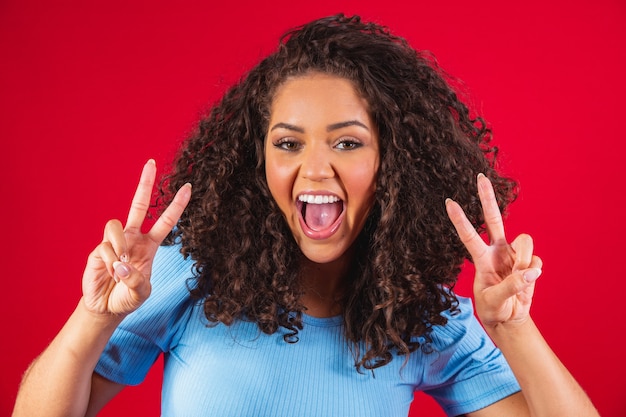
121	270
532	274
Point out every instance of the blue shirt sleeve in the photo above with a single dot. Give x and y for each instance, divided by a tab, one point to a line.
466	372
152	328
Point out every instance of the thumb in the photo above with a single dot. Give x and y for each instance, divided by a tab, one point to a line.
530	275
121	270
132	278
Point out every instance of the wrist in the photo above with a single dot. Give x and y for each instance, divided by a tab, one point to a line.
511	331
96	319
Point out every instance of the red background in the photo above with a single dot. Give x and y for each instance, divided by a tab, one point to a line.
90	90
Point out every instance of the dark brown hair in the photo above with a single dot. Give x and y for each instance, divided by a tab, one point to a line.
407	256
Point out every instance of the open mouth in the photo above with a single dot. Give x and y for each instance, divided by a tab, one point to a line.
320	213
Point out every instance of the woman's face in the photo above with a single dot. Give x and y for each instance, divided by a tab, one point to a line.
321	161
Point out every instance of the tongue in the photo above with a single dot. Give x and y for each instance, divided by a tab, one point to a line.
320	216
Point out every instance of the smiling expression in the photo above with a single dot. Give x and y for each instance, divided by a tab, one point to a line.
321	162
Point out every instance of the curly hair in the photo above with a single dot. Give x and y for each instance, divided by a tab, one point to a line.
408	255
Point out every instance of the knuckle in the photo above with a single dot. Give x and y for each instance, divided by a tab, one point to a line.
168	219
104	247
139	205
112	224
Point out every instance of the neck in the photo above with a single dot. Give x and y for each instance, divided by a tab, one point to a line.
324	286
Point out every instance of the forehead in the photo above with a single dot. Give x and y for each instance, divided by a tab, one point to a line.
325	93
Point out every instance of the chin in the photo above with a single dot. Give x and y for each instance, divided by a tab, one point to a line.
329	253
320	257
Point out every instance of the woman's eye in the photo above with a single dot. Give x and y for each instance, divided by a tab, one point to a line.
287	144
348	144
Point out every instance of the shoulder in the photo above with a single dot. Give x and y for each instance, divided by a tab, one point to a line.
169	263
465	371
462	323
171	280
155	326
170	298
460	337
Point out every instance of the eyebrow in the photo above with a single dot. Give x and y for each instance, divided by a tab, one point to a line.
288	127
341	125
329	128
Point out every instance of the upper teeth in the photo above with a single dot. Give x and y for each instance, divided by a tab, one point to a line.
318	199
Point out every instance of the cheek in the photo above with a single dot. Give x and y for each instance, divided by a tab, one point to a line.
278	182
364	181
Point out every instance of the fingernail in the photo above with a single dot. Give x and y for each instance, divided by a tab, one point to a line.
448	201
532	274
480	175
121	270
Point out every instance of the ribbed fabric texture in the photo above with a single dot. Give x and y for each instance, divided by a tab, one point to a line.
239	371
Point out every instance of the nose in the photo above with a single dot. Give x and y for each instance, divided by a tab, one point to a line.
316	164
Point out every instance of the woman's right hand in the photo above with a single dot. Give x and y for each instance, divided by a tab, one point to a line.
116	280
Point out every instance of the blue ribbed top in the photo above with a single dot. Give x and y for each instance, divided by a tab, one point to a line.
239	371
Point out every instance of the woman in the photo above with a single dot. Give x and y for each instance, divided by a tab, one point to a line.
311	271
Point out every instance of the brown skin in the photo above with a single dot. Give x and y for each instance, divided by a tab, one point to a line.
61	380
504	284
407	254
430	148
322	141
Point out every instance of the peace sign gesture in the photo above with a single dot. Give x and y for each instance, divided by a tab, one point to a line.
505	273
117	276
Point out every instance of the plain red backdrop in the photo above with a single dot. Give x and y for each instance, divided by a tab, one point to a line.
90	90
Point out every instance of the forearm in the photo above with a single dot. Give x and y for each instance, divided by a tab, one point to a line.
549	388
59	380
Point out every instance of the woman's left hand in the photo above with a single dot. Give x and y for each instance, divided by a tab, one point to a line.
505	273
